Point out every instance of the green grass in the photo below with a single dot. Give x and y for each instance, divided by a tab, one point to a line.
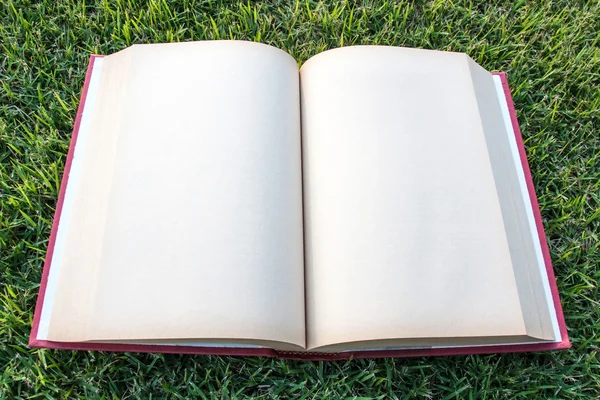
551	52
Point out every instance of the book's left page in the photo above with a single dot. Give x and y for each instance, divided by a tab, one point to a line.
182	217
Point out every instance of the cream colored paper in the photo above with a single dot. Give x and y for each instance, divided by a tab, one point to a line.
515	203
70	198
403	227
190	221
187	224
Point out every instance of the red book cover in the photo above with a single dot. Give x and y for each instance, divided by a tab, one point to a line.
316	356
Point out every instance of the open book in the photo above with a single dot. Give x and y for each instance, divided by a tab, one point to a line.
374	202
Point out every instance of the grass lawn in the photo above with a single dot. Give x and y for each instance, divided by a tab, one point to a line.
551	52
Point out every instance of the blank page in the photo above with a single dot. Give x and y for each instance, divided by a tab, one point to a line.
403	226
188	220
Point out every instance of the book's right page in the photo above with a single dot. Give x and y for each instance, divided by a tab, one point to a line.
412	232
